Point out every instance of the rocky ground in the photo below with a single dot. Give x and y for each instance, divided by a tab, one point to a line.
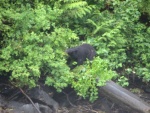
45	100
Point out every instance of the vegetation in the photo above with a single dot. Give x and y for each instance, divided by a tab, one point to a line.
35	34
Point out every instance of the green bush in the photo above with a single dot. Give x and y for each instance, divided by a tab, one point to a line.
35	34
34	38
91	75
33	44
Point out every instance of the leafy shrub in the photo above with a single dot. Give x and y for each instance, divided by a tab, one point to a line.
35	34
29	48
34	41
91	75
123	81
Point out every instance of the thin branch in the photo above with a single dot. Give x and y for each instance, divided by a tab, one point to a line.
30	100
69	100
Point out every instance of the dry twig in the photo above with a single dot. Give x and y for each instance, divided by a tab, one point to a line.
30	100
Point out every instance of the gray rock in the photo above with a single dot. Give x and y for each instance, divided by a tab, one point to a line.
40	96
18	107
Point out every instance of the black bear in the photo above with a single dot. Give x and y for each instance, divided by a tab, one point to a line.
80	54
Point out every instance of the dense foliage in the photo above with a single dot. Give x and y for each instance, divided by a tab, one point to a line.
35	34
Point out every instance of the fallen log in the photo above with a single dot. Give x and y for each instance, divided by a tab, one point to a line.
124	98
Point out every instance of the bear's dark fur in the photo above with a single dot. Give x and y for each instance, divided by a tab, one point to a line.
80	54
